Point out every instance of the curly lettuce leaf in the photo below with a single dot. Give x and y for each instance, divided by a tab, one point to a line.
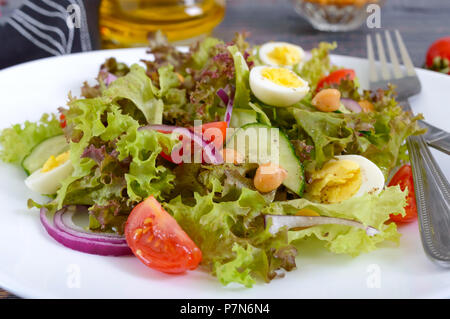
226	180
115	163
236	245
378	135
370	209
329	133
240	267
168	79
137	87
392	126
145	177
19	140
202	53
318	65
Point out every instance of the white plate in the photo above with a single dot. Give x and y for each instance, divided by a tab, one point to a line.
34	265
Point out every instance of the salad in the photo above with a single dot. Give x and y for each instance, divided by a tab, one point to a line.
225	156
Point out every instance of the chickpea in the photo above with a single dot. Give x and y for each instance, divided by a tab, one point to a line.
229	155
180	77
269	177
366	106
327	100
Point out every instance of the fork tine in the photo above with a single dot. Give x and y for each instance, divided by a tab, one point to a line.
393	56
385	74
373	75
405	56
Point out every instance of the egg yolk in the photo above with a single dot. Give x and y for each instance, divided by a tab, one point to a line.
53	162
282	77
335	182
284	55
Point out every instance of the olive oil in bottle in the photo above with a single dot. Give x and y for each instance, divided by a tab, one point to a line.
126	23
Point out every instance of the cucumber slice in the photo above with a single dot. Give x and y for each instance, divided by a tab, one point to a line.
40	153
260	143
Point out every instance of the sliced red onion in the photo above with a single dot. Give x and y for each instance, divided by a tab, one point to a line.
160	128
308	56
210	155
351	105
108	77
228	101
81	243
228	113
223	96
292	221
63	220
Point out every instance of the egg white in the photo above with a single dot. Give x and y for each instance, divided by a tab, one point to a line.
48	182
268	47
372	177
274	94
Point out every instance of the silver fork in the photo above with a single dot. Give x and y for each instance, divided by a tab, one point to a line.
407	85
430	185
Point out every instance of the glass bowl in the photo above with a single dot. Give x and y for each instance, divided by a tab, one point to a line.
335	15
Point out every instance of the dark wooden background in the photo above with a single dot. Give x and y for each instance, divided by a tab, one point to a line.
420	22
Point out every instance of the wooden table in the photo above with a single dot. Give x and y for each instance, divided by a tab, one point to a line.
419	21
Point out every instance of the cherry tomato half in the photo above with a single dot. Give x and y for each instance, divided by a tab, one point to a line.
404	178
336	77
158	241
215	132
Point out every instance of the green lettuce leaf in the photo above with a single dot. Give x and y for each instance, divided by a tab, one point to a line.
84	121
235	244
168	79
19	140
137	87
242	93
329	133
145	177
318	66
203	52
115	163
240	117
262	116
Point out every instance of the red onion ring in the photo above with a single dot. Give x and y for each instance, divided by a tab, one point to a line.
292	221
351	105
82	244
63	221
228	101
